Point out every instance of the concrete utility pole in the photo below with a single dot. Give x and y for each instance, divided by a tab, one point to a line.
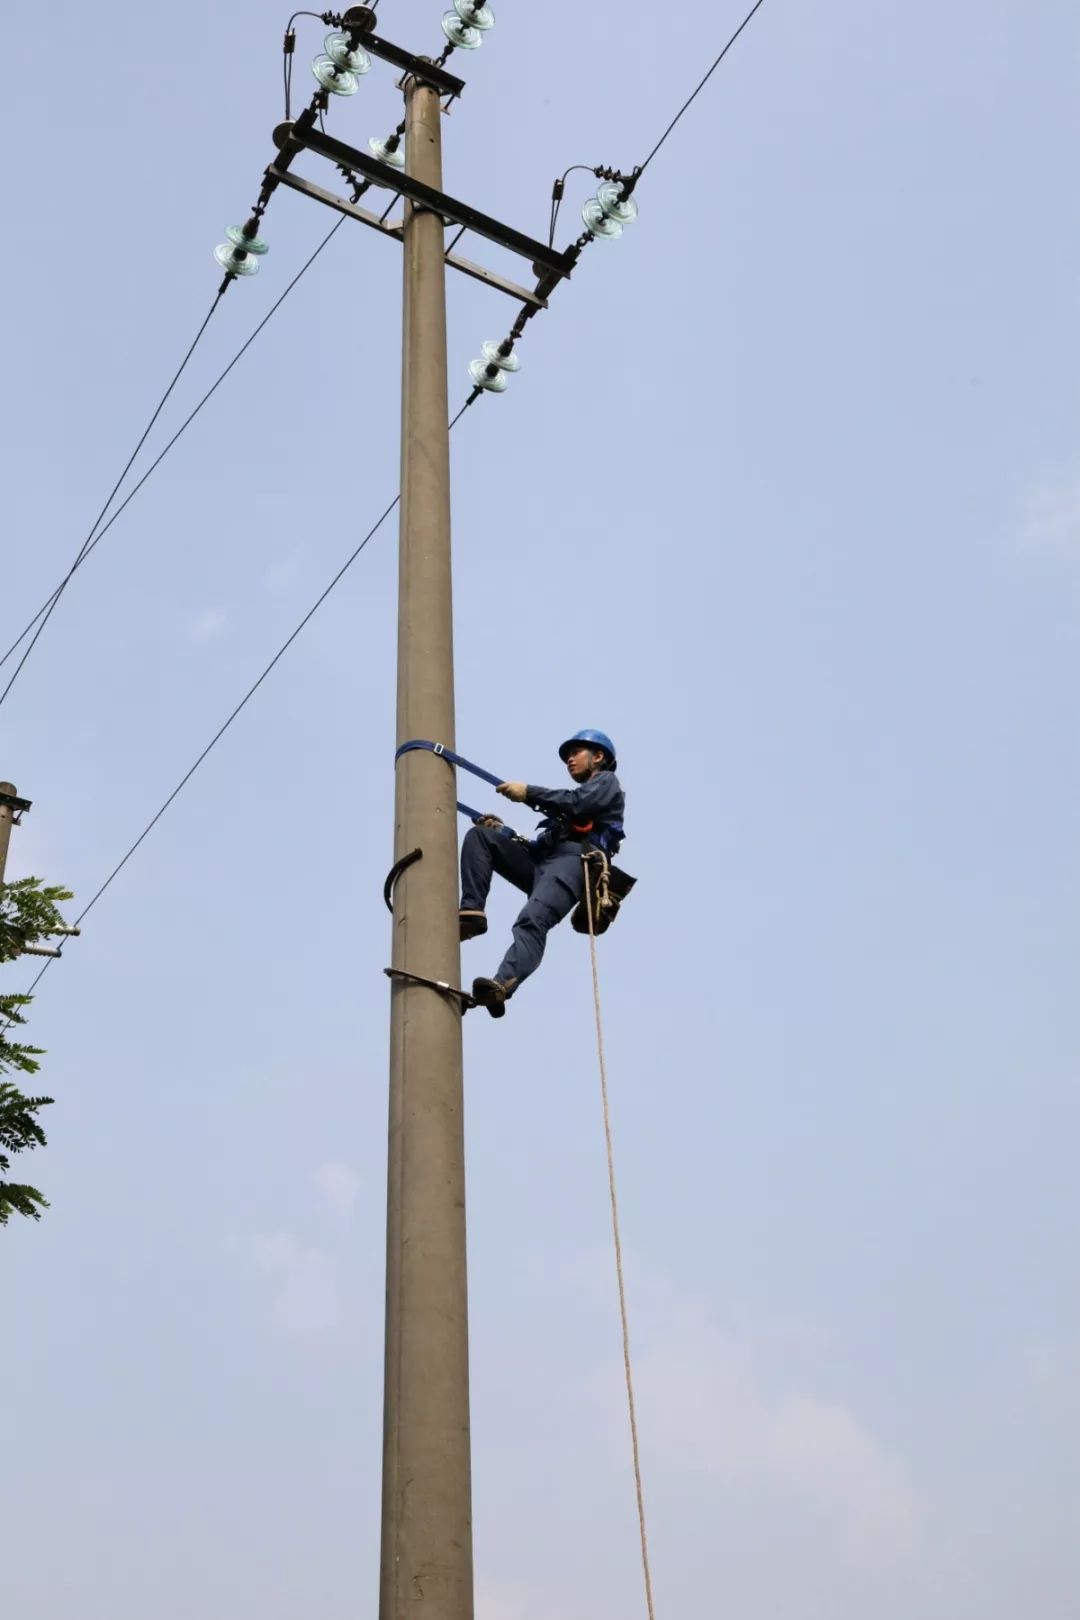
12	810
9	806
426	1569
426	1504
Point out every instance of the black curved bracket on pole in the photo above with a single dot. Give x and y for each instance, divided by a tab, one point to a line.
462	997
395	872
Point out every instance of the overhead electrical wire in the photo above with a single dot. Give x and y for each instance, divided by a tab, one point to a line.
343	570
88	542
557	196
48	605
630	181
700	87
43	616
627	182
629	185
47	608
244	701
330	19
289	49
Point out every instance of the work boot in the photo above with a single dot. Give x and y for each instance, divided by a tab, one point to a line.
471	924
493	994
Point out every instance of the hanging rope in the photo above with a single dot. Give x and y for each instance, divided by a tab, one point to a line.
618	1250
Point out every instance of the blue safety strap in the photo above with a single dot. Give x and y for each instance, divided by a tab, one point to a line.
466	765
454	759
448	754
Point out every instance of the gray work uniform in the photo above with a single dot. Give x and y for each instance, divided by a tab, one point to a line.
549	870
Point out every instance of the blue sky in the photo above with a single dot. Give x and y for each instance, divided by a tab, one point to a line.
786	497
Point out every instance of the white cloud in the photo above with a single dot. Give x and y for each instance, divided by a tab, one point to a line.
307	1297
276	1251
495	1600
33	852
1052	519
766	1475
714	1410
337	1187
210	622
307	1300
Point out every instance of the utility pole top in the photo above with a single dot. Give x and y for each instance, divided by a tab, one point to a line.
12	810
10	801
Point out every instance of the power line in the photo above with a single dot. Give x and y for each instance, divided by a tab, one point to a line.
45	611
83	549
420	1035
629	181
693	97
48	605
557	196
248	695
368	537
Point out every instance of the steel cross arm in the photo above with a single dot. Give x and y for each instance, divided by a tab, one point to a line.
543	258
360	22
421	67
522	295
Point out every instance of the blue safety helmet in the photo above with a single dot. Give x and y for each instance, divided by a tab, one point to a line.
598	739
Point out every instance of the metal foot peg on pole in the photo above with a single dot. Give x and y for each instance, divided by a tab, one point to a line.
395	872
462	997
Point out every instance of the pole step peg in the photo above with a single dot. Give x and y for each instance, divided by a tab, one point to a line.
395	872
462	997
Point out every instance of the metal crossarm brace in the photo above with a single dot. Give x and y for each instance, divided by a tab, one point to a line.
535	300
17	806
420	67
291	137
359	21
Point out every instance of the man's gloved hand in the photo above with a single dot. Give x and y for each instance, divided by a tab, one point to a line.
513	790
489	821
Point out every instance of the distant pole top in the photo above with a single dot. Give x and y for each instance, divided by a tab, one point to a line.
9	800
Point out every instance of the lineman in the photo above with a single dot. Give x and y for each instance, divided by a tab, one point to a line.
550	868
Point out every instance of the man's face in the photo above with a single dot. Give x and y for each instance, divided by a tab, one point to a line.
582	761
